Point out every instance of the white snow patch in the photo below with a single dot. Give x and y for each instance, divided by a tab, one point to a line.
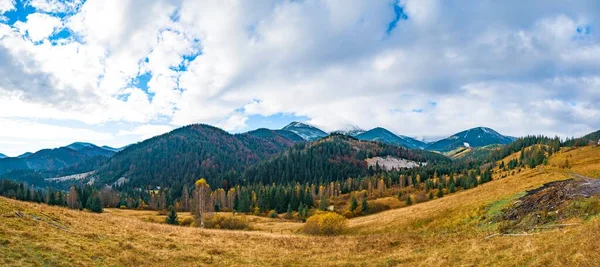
389	163
467	144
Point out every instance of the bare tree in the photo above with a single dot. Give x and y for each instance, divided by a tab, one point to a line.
73	198
185	198
201	199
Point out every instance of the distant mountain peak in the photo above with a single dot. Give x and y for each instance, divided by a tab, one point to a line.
3	156
351	130
80	145
297	124
384	135
474	137
304	130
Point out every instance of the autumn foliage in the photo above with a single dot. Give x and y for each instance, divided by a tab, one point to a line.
325	223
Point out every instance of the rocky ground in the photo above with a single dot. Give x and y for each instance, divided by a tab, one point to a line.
553	203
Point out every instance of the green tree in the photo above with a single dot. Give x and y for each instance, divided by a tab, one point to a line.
408	201
94	204
172	217
365	204
353	204
324	203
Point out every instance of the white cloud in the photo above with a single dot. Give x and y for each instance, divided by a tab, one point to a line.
55	6
6	5
146	131
451	65
39	26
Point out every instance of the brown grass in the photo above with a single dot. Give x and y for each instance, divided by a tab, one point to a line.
446	231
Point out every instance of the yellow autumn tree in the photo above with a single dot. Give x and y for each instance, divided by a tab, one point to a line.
201	199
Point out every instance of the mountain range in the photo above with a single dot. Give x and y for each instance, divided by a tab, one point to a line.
54	159
203	145
2	156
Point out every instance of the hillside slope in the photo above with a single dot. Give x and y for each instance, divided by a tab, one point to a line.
333	158
453	230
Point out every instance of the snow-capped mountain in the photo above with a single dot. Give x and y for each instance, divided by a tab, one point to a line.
307	132
350	130
382	135
476	137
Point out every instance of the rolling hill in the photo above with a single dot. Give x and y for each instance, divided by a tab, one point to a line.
382	135
476	137
307	132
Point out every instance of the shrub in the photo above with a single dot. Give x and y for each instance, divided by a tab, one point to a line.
187	221
325	223
272	214
227	222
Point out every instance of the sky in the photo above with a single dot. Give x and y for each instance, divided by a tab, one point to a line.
115	72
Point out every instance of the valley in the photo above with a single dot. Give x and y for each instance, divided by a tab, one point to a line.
453	230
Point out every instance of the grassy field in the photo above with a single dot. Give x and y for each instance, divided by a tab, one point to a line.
447	231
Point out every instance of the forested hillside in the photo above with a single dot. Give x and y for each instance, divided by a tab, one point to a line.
187	153
592	138
333	158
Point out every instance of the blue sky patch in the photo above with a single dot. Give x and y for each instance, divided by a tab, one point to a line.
399	15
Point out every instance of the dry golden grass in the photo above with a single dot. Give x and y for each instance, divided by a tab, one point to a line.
446	231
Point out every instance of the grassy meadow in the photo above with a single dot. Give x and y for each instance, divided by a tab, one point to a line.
453	230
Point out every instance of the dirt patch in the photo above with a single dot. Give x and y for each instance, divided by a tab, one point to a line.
553	202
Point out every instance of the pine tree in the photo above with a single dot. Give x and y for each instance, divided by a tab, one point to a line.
353	204
324	203
94	204
172	217
440	193
408	201
430	195
365	204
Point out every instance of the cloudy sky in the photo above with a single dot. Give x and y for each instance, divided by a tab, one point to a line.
114	72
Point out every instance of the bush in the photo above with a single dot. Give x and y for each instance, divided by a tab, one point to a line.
187	221
227	222
325	223
272	214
